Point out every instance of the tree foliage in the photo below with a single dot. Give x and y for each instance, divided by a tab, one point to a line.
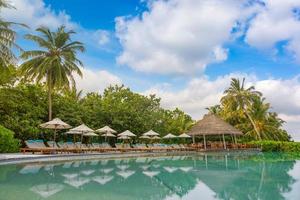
24	107
246	109
8	143
55	62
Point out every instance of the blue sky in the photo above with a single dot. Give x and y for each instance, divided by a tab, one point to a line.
185	51
241	57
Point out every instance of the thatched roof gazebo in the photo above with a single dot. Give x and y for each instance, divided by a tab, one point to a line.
213	125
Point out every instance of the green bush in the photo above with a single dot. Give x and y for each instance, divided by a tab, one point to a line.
277	146
8	143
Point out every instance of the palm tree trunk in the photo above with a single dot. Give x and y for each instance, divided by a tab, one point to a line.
49	97
253	124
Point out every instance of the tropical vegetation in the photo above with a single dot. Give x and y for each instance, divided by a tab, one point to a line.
246	109
45	78
55	62
7	141
277	146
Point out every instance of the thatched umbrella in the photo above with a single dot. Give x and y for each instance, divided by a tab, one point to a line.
82	129
151	133
106	129
127	133
90	134
184	136
213	125
55	124
145	137
108	135
169	136
156	138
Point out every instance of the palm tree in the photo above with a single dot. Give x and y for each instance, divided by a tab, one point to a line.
7	40
216	109
242	98
56	61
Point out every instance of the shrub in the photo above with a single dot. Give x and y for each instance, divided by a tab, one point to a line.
8	143
277	146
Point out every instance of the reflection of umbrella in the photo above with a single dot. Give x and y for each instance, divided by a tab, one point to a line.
151	133
141	160
69	175
87	172
67	165
125	174
30	169
145	167
127	133
184	135
151	173
104	162
123	167
56	124
169	136
94	162
107	170
170	169
185	169
77	181
102	179
47	190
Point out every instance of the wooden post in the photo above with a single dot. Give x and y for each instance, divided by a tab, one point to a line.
224	142
204	142
235	139
193	139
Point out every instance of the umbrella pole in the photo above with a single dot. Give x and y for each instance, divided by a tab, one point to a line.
81	140
54	137
235	139
193	139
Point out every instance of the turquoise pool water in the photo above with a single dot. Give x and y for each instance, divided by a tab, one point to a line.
213	176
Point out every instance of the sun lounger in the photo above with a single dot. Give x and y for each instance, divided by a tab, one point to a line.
35	146
123	147
140	147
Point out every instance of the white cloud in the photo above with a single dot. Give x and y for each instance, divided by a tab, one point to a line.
200	93
35	13
103	37
276	21
178	36
96	80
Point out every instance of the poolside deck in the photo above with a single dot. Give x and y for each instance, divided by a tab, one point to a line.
12	158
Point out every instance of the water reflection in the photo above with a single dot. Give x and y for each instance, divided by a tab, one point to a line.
213	176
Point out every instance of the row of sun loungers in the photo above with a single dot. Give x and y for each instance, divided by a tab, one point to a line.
38	146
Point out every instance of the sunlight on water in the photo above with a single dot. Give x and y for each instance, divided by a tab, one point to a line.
209	177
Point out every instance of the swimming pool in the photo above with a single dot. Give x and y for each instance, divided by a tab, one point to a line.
205	176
